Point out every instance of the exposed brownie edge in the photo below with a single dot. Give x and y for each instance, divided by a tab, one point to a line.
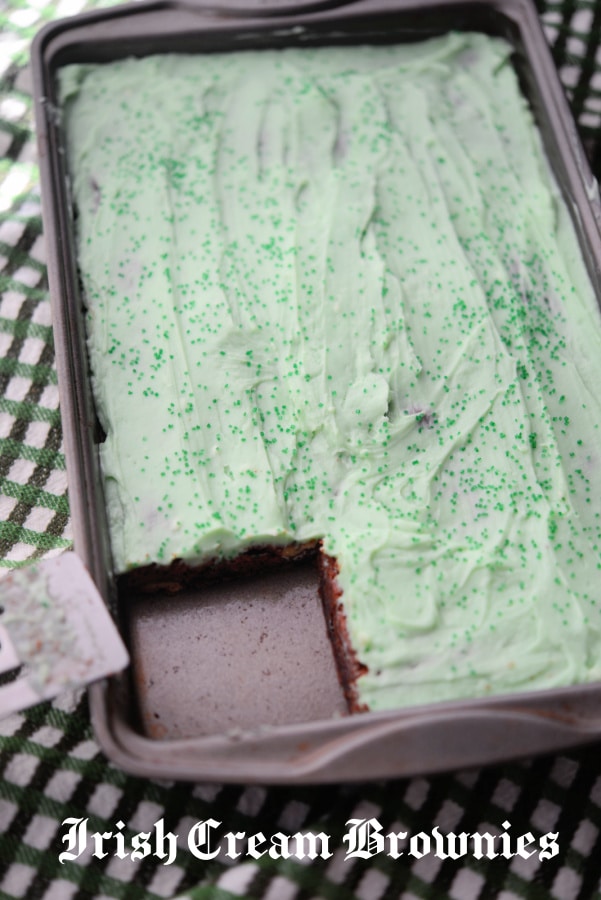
180	575
350	668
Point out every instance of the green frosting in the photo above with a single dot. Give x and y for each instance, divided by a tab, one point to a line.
336	293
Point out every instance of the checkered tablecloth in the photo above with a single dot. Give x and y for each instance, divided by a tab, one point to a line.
51	769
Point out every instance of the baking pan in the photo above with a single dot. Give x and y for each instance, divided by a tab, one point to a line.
237	682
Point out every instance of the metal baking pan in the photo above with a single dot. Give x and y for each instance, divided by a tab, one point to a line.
237	683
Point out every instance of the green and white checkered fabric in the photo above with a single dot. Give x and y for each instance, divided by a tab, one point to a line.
34	511
50	766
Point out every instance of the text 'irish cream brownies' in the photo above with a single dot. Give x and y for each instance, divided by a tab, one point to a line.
335	300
